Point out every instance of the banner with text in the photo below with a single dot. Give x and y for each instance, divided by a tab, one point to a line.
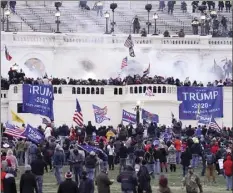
146	115
204	119
209	99
38	99
33	134
128	117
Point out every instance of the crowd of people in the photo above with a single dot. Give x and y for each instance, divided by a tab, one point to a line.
142	153
18	77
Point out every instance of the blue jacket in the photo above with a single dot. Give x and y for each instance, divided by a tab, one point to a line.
58	158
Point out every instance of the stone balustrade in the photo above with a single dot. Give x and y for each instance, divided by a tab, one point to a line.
69	39
101	90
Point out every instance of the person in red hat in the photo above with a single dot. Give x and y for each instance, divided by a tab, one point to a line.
163	185
68	186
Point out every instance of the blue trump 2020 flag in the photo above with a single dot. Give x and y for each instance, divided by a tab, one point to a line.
208	99
204	119
100	114
128	117
38	99
33	134
146	115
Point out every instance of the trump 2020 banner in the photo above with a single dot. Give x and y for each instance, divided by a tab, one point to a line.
33	134
38	99
209	100
146	115
128	117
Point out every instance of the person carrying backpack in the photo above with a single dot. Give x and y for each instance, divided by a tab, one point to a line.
210	171
144	179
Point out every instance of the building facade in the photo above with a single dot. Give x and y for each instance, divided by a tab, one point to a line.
99	56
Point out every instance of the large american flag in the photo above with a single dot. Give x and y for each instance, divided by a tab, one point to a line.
129	42
78	116
14	131
124	62
213	124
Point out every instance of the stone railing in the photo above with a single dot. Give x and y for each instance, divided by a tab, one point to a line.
102	90
36	38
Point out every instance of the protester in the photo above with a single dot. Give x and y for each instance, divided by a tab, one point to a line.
76	160
13	161
163	185
144	179
28	182
38	167
172	158
210	161
68	186
128	180
192	182
8	182
228	171
103	182
90	164
58	163
86	184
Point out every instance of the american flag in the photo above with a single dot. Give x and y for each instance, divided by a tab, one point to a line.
213	124
147	71
149	92
78	116
14	131
8	56
124	62
129	42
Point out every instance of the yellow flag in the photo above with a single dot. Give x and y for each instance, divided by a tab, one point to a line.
16	118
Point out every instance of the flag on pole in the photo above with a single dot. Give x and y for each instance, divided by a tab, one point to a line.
198	111
8	56
14	131
149	92
173	116
16	118
129	44
213	124
124	62
45	121
147	71
78	116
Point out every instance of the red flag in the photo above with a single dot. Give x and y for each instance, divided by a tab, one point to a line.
8	56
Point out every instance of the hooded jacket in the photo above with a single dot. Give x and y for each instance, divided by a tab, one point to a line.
9	184
228	166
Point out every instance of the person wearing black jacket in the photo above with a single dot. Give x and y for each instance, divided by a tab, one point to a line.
149	158
123	153
128	180
90	164
68	186
144	179
38	167
89	131
28	181
186	157
9	182
86	184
